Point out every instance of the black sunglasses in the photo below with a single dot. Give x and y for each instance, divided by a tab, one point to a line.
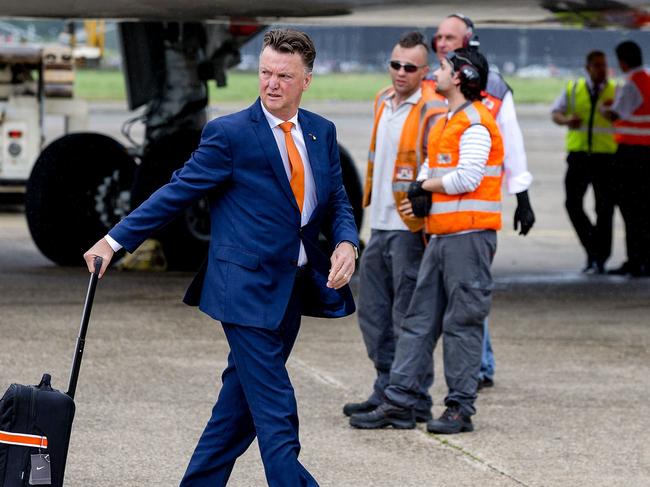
408	67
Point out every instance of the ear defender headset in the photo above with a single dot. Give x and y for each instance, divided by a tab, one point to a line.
467	72
470	41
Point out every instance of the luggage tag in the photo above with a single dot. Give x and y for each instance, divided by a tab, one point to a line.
40	471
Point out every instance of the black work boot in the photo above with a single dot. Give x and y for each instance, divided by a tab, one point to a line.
385	414
423	415
452	421
358	407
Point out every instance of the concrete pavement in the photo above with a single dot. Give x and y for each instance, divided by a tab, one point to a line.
569	408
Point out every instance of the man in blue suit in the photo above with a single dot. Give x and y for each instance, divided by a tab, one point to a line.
273	176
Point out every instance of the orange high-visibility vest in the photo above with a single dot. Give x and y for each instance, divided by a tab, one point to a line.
635	130
409	153
481	208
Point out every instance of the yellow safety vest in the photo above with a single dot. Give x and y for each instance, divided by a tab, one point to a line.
579	103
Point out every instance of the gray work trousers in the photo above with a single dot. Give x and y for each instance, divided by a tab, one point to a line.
452	298
387	275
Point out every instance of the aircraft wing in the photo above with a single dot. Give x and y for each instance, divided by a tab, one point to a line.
625	13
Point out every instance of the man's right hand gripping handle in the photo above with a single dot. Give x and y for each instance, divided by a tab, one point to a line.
103	250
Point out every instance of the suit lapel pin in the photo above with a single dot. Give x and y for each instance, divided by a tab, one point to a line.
313	137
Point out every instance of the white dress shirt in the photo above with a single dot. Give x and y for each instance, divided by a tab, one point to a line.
515	164
310	188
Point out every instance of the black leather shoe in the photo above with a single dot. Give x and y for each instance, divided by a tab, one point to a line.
452	421
358	407
484	382
384	415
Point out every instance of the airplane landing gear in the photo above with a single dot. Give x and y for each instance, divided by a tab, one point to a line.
79	188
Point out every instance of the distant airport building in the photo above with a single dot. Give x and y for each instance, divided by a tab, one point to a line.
523	51
527	52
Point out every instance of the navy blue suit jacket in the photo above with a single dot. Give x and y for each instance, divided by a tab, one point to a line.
256	231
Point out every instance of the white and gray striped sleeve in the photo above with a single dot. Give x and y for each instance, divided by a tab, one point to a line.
475	145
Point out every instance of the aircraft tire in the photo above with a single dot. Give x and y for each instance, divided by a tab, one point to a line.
352	183
78	189
185	240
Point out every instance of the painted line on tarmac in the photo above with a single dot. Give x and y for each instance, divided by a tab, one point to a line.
558	278
472	458
319	376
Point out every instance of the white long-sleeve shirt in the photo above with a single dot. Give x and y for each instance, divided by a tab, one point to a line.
515	163
475	145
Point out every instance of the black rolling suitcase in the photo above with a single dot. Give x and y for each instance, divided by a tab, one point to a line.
36	421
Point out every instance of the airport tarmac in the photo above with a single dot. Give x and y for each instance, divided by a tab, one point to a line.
569	407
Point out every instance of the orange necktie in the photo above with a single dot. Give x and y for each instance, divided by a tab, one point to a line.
297	168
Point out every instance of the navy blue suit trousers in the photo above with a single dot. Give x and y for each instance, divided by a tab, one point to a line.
256	399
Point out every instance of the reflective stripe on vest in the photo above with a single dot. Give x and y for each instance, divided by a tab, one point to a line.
639	118
378	108
31	441
429	111
597	130
476	210
490	171
579	103
401	186
441	208
635	129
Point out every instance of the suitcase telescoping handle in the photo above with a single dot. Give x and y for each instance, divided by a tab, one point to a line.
85	318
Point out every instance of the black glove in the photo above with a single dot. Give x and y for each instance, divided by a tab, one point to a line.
420	199
524	215
415	189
